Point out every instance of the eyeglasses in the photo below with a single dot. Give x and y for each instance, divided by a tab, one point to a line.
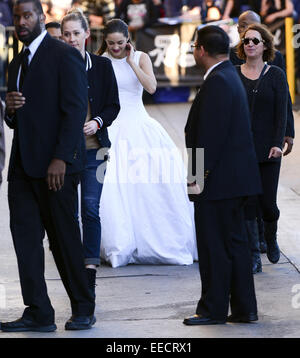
195	46
255	41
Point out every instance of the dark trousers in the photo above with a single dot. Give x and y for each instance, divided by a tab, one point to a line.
34	209
269	173
224	259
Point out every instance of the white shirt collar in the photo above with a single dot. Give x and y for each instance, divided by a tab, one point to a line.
88	60
210	69
35	45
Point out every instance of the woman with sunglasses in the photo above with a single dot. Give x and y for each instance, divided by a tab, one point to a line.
267	91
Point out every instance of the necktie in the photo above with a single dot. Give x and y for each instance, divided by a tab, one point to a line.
24	67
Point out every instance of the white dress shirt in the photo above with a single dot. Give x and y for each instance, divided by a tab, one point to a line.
210	69
32	48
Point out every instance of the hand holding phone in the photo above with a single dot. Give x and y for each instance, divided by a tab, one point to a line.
128	47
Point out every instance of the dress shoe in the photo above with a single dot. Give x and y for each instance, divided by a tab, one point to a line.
251	317
256	265
77	323
26	325
198	320
263	247
273	251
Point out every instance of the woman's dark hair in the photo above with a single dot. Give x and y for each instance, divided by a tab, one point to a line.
112	26
76	14
269	52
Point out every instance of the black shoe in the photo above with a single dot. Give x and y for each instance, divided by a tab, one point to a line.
256	265
273	252
91	274
262	247
251	317
76	323
25	325
198	320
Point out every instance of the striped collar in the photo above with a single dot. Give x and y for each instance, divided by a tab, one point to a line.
88	61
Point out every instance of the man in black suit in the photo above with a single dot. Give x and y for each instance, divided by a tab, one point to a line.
2	142
219	122
46	105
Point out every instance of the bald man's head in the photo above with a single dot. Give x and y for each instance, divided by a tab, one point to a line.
247	18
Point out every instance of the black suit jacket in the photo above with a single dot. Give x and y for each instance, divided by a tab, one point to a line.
278	61
219	122
103	95
50	124
2	142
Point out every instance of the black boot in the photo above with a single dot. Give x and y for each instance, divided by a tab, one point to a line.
262	243
91	274
253	239
273	251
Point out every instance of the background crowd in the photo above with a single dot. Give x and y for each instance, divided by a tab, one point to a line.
146	12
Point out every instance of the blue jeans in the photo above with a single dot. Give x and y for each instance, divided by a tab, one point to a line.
91	190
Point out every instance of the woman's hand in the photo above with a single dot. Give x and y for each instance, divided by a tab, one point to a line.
90	128
129	53
275	152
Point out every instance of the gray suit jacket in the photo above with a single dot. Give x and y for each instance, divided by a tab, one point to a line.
2	143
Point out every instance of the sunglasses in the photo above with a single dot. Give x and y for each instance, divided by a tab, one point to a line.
255	41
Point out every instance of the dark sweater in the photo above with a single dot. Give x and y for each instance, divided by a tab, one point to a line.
268	120
278	61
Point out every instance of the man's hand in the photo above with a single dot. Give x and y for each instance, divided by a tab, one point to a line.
275	152
14	101
56	174
90	127
289	141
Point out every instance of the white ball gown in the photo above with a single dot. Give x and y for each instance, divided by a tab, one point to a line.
146	217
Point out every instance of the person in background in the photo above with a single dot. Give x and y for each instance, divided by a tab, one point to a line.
267	91
255	226
173	8
273	10
138	14
103	108
53	29
6	18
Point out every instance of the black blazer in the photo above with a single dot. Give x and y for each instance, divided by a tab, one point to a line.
103	95
269	117
2	142
219	122
278	61
50	123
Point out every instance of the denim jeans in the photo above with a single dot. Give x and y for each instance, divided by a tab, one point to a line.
91	190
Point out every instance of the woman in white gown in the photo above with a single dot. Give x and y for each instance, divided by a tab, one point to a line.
145	212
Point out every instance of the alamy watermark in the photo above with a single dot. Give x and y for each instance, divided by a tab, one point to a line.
136	165
296	297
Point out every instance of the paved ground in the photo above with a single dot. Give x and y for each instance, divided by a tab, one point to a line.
151	301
